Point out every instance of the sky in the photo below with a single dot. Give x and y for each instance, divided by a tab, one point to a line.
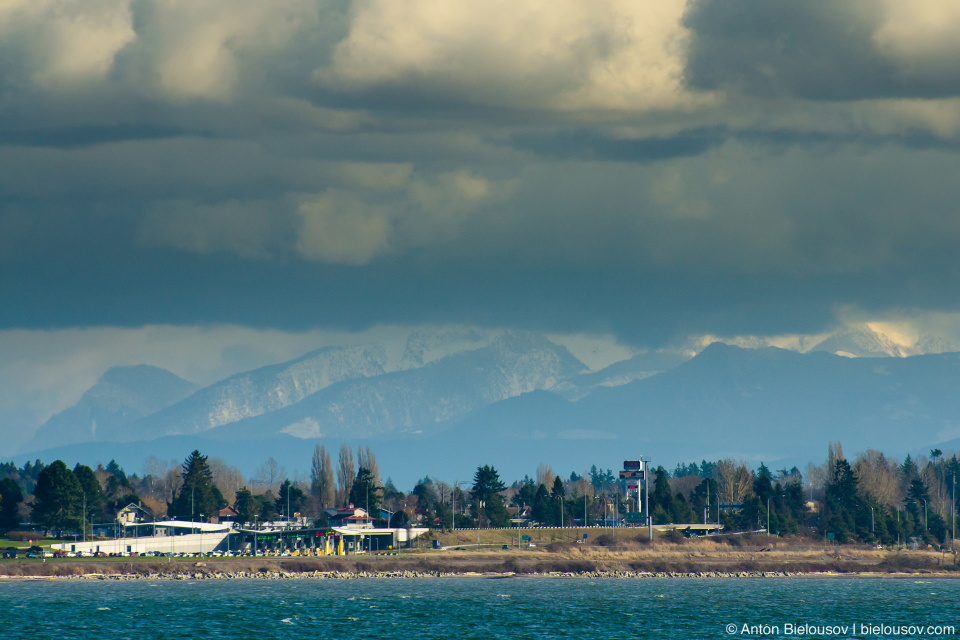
182	178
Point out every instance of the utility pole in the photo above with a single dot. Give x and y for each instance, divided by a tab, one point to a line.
646	498
768	516
706	506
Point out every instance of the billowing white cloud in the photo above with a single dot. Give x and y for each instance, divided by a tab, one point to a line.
204	50
64	43
420	211
337	228
920	36
612	54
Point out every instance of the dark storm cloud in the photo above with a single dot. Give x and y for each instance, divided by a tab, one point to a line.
809	50
84	136
600	145
593	144
230	162
647	308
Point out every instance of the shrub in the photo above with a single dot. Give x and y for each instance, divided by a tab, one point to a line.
23	536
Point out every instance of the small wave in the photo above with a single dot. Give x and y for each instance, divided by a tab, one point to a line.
103	608
504	595
288	621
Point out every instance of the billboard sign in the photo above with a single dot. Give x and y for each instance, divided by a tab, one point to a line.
633	464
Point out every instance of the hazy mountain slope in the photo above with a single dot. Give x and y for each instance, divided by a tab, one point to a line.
423	398
262	390
120	397
758	404
640	366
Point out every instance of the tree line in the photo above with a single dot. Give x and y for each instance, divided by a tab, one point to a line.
870	499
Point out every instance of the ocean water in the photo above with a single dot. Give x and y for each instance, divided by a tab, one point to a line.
540	608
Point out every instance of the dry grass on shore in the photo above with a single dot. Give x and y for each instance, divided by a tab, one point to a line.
625	556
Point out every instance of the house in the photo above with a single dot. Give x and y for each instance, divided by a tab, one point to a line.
134	514
350	517
520	516
227	514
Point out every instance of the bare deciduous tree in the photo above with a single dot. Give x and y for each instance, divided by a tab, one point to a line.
545	475
346	472
684	485
226	478
322	487
735	479
368	461
823	475
877	476
269	475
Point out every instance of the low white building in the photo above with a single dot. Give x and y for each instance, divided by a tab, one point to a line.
165	536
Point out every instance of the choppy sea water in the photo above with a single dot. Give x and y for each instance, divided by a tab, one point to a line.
540	608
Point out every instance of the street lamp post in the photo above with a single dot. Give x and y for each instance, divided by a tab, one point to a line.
560	511
924	513
646	498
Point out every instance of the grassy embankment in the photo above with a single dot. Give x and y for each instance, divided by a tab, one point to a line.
556	552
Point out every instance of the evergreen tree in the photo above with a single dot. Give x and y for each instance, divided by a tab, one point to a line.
95	498
290	500
542	507
558	491
845	514
197	499
487	503
763	484
250	507
365	493
58	499
10	499
661	491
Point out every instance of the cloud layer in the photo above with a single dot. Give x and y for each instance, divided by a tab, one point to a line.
652	169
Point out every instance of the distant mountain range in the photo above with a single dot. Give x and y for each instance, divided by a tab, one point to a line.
522	392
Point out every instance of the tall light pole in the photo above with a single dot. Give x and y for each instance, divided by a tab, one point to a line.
924	512
646	498
953	511
768	516
560	512
871	520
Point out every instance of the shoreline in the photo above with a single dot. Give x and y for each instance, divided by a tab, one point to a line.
416	575
655	564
